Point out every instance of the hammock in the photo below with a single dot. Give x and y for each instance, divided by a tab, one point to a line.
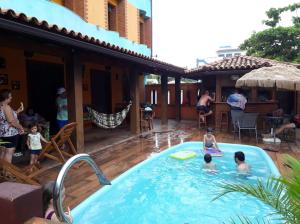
108	120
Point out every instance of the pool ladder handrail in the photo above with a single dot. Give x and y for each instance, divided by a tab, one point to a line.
57	201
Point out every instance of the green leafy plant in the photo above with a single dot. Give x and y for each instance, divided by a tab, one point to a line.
281	193
276	42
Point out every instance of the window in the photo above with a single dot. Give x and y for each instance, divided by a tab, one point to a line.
181	96
153	96
264	95
112	17
221	55
142	32
237	54
228	55
169	96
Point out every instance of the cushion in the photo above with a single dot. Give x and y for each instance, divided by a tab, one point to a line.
20	202
183	155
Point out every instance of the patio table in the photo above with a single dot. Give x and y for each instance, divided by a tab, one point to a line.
274	122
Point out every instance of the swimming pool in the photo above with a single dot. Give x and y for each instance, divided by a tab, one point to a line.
168	191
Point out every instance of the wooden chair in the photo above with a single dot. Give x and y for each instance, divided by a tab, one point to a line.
146	122
11	172
55	149
201	121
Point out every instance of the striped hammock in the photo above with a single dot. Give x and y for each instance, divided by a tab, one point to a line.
108	120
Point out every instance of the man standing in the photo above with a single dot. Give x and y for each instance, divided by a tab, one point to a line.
203	103
237	103
62	107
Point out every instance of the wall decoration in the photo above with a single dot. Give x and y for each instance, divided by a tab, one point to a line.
2	62
3	79
15	85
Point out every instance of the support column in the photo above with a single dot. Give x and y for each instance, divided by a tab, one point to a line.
142	88
135	107
177	98
254	94
164	99
218	89
74	89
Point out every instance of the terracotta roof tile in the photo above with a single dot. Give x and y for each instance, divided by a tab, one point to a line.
33	21
239	63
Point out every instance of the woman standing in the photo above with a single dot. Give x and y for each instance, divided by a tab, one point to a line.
9	126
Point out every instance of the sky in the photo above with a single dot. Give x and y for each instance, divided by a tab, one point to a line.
184	30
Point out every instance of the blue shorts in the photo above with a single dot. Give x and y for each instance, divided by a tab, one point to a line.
61	123
35	151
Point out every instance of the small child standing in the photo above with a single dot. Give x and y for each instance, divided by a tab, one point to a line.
34	143
209	165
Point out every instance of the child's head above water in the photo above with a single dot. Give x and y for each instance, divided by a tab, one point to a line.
239	156
207	158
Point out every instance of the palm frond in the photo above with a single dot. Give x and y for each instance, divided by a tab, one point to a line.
283	194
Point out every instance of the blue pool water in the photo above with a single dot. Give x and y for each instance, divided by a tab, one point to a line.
164	190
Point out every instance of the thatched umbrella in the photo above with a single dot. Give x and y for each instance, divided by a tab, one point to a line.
280	76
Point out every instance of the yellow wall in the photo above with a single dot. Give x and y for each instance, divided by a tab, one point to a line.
16	70
58	1
96	12
132	23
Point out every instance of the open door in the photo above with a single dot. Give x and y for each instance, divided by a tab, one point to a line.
43	81
101	91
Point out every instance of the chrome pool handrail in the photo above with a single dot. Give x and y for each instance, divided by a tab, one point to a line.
57	200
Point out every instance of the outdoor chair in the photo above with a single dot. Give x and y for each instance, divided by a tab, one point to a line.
146	119
56	148
10	172
247	121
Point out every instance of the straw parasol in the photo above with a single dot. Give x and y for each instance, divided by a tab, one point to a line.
280	76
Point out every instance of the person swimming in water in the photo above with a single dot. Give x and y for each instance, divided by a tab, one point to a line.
209	165
242	166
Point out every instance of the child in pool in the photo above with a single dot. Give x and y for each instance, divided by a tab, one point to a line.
242	166
209	165
48	208
209	141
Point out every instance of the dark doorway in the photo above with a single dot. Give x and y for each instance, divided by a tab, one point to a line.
101	91
43	81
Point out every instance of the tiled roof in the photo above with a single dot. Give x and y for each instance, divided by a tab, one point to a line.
10	14
238	63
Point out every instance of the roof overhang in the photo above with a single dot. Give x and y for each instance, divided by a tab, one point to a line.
57	37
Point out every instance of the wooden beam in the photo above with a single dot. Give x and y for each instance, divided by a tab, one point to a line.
177	98
135	107
254	94
74	88
218	89
164	99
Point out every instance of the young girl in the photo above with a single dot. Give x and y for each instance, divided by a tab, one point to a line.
48	208
34	143
209	141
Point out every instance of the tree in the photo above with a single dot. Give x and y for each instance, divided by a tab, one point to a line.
280	43
283	193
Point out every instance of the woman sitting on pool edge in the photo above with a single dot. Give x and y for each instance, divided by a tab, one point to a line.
209	141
